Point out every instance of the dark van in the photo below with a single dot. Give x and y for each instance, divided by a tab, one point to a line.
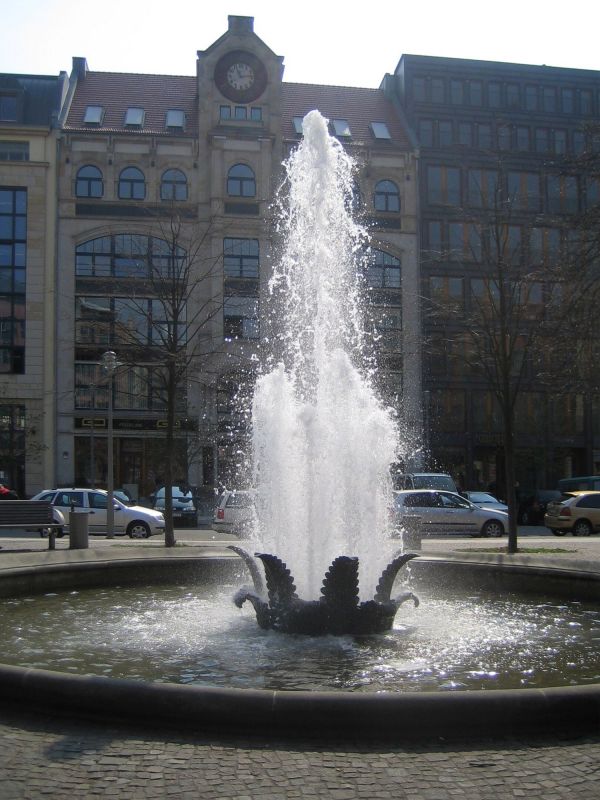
586	482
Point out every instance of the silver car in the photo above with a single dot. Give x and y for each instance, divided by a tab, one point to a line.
448	512
135	521
234	512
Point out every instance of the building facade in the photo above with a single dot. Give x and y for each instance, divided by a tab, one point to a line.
142	156
29	108
487	130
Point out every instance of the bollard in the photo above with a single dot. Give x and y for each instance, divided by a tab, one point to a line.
411	532
78	530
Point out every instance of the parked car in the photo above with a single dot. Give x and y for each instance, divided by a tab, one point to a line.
184	510
485	500
532	505
577	512
58	519
425	480
234	512
448	512
134	521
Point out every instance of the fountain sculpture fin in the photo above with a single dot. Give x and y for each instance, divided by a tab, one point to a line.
388	576
402	598
280	583
340	585
253	568
263	613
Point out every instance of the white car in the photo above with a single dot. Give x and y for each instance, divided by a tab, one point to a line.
235	512
448	512
135	521
184	509
485	500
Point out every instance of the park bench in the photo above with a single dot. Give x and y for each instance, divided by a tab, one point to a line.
30	515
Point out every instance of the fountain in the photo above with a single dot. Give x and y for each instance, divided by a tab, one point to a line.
322	440
145	634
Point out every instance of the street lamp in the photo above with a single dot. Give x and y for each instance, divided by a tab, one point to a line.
110	363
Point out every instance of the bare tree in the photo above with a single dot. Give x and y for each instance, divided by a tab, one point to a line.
165	338
521	290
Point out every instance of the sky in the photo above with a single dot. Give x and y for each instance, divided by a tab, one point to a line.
342	44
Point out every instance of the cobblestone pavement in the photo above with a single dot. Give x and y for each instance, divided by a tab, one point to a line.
43	758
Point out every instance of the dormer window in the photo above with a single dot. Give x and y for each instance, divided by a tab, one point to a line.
134	118
380	130
8	107
297	121
175	118
341	128
93	115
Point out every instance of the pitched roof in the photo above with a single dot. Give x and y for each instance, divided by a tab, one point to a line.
358	106
118	91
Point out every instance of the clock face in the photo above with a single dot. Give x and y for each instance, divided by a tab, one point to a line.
240	76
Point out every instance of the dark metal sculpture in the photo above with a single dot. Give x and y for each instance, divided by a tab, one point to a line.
337	612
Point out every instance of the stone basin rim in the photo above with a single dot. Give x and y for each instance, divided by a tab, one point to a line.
391	716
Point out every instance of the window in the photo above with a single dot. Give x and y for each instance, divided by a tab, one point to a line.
93	318
132	184
512	95
240	112
297	122
494	94
8	107
443	185
475	93
542	140
465	134
434	240
387	197
93	115
380	130
225	112
549	98
531	98
437	90
14	151
426	132
418	85
134	118
544	246
173	185
484	136
385	324
240	317
567	101
175	118
523	142
560	142
456	92
127	255
241	181
503	137
563	194
445	133
585	101
464	242
240	258
89	182
578	142
524	190
341	128
13	244
256	114
446	295
383	271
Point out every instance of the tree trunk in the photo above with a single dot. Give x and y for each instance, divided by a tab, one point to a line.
509	479
171	400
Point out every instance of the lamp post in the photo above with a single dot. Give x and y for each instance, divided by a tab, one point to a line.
110	363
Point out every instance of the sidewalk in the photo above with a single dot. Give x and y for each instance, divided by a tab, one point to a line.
44	757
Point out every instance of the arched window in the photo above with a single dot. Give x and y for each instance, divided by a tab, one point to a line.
132	184
89	182
241	181
383	271
173	185
387	196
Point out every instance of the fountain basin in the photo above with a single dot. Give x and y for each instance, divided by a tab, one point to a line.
273	712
